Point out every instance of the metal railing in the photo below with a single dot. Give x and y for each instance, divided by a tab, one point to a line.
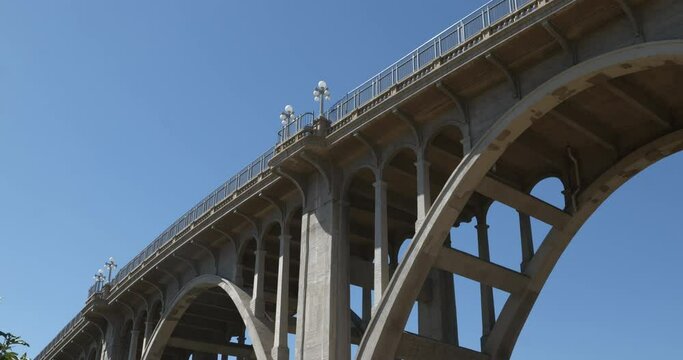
441	44
60	335
293	127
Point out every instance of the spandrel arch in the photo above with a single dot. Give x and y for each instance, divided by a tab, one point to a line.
384	331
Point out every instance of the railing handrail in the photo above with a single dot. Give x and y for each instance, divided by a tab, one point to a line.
236	182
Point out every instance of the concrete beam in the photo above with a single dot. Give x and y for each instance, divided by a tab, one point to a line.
417	347
474	268
586	132
212	348
639	100
525	203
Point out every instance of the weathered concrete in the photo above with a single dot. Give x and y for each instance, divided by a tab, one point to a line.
584	91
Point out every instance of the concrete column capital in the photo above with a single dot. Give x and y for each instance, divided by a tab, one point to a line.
422	163
380	184
259	252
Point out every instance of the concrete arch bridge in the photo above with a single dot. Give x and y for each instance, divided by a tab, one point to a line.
587	92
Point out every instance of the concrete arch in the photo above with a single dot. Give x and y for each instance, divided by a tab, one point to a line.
244	242
227	259
348	178
390	152
384	331
565	187
438	130
261	333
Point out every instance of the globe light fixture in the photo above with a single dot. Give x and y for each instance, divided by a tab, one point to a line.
321	93
99	279
287	115
110	265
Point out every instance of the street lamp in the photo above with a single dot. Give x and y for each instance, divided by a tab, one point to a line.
110	265
321	93
286	117
99	279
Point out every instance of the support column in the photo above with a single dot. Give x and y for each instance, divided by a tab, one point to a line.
436	315
111	348
149	328
367	305
437	318
133	347
239	275
257	301
323	331
381	242
527	239
488	314
424	199
280	349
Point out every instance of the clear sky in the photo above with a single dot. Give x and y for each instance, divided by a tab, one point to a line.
118	116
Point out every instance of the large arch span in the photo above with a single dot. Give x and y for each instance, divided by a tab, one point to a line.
383	338
260	332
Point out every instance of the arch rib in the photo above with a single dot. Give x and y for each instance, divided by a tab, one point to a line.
383	334
260	331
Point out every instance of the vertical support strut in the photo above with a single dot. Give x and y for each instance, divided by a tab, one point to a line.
133	348
526	238
257	301
436	315
488	314
280	348
381	241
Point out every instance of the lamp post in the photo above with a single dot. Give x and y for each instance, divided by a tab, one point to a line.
99	279
110	265
286	117
321	93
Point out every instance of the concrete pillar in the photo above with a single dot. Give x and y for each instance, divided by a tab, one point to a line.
424	199
257	301
437	318
239	275
133	347
381	242
367	305
149	328
488	314
527	239
280	349
323	314
110	346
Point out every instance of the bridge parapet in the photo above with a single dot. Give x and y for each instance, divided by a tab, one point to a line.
361	116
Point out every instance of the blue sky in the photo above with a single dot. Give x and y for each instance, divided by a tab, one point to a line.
116	117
